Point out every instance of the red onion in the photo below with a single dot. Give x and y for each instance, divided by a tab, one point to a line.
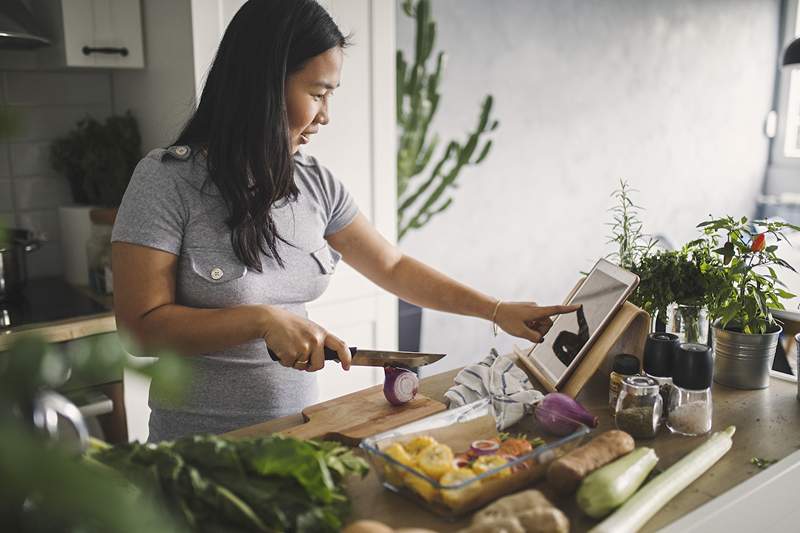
484	447
561	415
400	385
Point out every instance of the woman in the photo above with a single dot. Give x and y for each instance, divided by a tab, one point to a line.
223	237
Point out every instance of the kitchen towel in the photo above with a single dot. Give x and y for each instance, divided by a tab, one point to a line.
497	377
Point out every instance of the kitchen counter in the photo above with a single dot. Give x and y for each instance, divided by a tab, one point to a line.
56	310
767	426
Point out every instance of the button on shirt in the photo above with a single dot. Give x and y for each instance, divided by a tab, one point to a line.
172	205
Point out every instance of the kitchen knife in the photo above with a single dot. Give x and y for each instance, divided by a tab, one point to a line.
381	357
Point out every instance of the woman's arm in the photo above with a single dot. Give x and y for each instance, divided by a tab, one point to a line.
146	313
367	251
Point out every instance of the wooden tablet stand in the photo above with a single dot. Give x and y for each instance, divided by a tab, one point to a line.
626	333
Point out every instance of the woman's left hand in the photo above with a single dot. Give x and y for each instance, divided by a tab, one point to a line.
528	320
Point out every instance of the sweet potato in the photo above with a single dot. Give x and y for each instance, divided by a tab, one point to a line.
566	473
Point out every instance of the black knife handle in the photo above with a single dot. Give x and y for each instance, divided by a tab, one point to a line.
330	354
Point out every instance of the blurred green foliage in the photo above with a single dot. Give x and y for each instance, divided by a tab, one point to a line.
45	485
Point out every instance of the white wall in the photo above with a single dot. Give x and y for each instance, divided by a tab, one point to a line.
161	95
669	95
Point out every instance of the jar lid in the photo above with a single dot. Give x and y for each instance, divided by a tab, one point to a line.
694	367
640	385
627	364
659	354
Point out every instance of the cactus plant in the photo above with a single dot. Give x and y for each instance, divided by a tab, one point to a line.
421	197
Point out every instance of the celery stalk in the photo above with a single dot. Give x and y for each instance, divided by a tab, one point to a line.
652	497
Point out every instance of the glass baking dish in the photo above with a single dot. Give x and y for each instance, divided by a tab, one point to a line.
458	428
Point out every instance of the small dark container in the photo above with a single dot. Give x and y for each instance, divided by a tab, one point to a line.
659	354
694	367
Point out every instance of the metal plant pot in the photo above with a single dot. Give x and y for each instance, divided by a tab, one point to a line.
744	361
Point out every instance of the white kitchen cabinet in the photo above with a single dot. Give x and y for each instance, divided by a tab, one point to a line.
102	33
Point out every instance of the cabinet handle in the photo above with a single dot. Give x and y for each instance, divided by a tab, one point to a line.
105	50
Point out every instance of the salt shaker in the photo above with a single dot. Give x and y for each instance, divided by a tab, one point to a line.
690	410
659	354
639	407
624	365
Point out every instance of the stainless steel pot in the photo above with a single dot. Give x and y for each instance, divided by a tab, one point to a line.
15	244
743	361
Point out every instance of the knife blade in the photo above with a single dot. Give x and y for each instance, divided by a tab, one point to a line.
381	357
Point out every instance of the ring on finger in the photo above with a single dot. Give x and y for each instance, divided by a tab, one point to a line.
301	363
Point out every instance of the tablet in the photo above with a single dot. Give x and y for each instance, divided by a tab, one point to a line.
600	294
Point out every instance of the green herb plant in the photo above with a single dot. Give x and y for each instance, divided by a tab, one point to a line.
98	158
676	276
747	286
421	198
626	230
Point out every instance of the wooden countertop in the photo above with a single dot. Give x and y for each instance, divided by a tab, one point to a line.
767	426
67	329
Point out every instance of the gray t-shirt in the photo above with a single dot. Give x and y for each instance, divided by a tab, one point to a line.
171	205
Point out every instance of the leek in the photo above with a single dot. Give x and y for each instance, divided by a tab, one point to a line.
652	497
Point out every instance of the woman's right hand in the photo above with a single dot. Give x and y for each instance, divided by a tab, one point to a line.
300	343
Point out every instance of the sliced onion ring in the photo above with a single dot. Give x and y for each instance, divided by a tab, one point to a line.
400	385
484	447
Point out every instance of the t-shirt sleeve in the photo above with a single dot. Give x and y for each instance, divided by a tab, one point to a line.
341	206
152	212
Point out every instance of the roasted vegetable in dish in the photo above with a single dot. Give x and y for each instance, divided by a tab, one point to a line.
566	473
269	484
436	462
525	512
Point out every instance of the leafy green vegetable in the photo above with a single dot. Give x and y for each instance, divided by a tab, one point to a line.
214	483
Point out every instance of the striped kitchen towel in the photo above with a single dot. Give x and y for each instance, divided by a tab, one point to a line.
498	377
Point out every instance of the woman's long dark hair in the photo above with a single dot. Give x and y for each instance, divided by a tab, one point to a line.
241	121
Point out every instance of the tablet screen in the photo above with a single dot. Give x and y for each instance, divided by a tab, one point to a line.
599	295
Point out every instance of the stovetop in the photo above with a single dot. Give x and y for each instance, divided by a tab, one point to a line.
47	300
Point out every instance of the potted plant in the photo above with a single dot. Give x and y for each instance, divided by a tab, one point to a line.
97	159
673	288
745	334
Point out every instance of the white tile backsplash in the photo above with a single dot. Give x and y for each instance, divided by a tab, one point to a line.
7	220
44	223
5	167
58	88
41	193
6	195
49	104
50	122
31	158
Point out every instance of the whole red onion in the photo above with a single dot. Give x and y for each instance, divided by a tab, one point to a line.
561	415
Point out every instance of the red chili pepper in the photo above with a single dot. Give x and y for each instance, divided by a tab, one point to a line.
759	243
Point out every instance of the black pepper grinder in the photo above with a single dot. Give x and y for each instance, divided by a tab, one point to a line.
659	358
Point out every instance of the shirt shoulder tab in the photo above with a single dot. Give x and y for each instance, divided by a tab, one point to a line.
179	151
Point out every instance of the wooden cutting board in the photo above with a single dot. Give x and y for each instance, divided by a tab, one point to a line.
353	417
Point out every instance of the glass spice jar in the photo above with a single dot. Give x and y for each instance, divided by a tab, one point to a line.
659	355
639	407
690	410
624	365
